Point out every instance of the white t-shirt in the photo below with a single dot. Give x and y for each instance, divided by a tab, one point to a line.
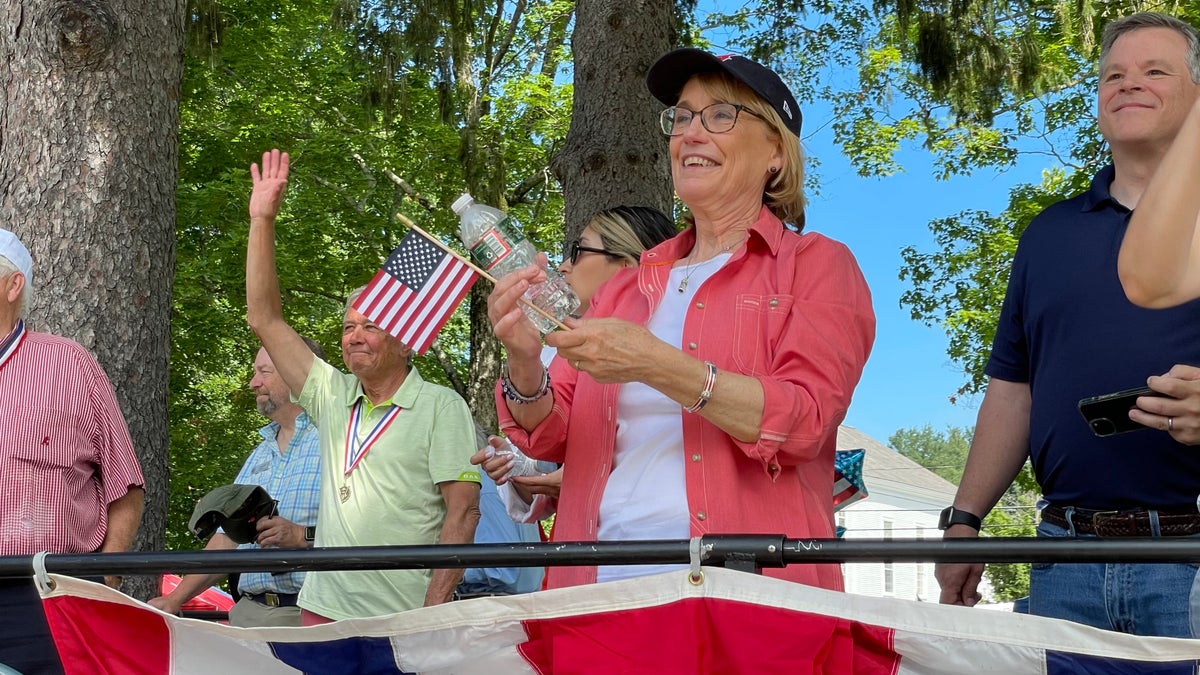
646	494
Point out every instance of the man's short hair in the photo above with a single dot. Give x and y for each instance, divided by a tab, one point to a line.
1140	20
315	347
7	268
352	297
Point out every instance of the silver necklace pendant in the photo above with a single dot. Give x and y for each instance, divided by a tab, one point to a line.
687	274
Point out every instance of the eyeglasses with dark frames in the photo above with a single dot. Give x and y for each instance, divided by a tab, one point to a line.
717	118
576	249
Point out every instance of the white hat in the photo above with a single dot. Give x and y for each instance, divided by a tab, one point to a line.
17	254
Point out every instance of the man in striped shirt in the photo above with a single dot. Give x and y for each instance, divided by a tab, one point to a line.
287	464
69	479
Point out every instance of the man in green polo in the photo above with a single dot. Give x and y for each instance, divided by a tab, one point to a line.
395	449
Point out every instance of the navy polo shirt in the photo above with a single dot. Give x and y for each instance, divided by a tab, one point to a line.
1068	330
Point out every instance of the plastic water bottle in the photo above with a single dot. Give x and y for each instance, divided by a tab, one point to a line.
498	246
524	465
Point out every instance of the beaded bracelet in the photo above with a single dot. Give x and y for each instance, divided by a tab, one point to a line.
710	381
511	393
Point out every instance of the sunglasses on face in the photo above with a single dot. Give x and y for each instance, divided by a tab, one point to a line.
576	249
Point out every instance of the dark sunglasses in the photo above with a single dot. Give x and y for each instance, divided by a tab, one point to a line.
576	249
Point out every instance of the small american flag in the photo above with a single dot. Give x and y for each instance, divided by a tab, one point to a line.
417	290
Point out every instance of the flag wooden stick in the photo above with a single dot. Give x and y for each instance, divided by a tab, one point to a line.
482	272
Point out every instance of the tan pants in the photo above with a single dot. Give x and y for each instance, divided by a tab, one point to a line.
250	614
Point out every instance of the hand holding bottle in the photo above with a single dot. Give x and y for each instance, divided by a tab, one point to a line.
498	246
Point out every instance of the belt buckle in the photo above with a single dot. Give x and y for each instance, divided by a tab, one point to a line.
272	599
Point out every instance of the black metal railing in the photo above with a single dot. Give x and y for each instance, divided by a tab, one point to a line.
746	552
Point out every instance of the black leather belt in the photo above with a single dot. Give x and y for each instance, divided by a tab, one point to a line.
273	599
469	596
1127	523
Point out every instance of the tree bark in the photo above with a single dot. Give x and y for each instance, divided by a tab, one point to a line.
88	165
484	171
615	153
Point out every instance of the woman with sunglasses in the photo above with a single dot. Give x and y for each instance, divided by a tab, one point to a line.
702	391
612	241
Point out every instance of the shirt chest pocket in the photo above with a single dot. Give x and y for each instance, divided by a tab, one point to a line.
49	440
759	321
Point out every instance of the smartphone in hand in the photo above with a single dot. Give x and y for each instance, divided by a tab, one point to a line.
1108	414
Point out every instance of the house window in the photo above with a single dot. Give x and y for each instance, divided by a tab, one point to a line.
889	571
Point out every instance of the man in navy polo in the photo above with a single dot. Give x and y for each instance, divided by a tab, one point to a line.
1067	332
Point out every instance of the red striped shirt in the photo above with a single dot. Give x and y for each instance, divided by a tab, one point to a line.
65	453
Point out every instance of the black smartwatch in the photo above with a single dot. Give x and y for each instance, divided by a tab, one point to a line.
310	533
952	516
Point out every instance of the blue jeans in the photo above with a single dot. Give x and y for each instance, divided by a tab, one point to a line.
1139	598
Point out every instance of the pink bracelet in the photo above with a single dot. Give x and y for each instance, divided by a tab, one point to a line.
710	381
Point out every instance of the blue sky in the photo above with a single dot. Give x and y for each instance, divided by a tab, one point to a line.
909	378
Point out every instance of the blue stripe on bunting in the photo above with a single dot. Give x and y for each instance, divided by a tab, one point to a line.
1058	663
351	656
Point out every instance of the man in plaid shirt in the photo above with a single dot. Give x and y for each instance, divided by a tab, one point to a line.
287	464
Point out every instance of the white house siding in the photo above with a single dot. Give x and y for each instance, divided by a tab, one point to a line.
904	495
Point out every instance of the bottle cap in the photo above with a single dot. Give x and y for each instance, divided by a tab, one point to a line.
462	203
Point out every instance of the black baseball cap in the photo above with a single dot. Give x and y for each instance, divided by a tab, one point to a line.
235	508
672	70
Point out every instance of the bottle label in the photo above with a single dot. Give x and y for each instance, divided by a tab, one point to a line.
495	244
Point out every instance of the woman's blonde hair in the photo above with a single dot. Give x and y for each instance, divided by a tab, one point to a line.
626	231
784	192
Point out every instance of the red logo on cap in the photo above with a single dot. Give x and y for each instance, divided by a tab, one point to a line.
725	57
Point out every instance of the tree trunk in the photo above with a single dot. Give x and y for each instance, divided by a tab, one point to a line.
484	173
88	164
615	153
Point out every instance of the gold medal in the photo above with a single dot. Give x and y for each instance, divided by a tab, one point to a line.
344	493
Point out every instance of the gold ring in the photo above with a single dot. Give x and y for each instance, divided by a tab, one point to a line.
576	364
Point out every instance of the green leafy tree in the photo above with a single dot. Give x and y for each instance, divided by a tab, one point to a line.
945	453
390	110
980	84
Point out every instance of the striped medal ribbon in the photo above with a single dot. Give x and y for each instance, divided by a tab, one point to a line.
356	451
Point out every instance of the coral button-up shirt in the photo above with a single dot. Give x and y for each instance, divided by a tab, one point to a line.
790	310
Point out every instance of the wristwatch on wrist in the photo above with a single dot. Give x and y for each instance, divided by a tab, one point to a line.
310	533
952	516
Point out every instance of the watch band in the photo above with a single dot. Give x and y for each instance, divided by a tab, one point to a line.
952	516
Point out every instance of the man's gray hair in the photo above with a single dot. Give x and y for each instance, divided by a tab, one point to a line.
352	297
1140	20
7	268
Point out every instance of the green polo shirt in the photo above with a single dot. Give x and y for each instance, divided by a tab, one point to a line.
393	494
